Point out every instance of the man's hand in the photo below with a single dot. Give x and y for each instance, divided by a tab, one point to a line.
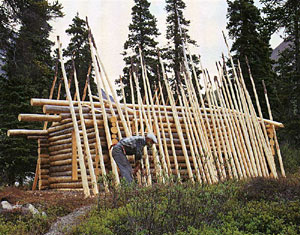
137	167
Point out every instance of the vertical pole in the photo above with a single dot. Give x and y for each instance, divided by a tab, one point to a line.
75	124
162	129
74	157
105	118
85	137
170	133
177	123
98	140
188	134
125	106
148	174
219	159
149	96
158	169
275	135
126	129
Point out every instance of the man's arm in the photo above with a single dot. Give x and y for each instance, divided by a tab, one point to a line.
138	166
138	156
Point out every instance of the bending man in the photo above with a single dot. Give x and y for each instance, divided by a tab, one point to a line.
133	145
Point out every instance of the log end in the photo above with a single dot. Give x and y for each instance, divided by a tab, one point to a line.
32	103
113	119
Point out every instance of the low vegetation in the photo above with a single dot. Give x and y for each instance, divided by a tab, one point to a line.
256	206
54	204
253	206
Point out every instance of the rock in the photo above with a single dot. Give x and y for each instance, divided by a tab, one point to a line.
6	205
17	207
32	209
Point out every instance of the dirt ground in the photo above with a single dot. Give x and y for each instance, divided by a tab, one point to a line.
70	200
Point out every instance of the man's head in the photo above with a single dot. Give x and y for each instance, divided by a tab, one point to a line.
151	139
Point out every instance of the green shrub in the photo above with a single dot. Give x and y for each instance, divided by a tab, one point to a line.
271	189
262	217
257	206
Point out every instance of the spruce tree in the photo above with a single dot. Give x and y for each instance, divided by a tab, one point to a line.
285	14
27	74
246	29
143	33
174	51
79	49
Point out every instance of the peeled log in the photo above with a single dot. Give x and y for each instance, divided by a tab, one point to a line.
61	179
61	162
74	185
44	171
38	117
36	137
62	109
14	132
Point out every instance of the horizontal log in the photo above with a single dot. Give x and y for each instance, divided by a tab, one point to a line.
60	142
62	109
43	182
62	179
44	177
68	150
45	171
61	162
60	147
14	132
38	117
60	168
44	155
37	137
62	173
45	161
45	166
61	157
72	185
60	127
59	137
41	102
56	134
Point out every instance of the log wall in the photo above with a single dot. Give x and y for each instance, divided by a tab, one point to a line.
59	160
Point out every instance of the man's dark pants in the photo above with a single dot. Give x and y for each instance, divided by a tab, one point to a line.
122	162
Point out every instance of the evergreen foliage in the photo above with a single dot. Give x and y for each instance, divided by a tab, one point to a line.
251	40
143	33
27	73
174	51
286	14
79	50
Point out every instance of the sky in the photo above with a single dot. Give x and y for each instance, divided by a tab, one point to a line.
109	21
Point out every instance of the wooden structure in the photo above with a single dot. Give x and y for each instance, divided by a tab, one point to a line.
206	138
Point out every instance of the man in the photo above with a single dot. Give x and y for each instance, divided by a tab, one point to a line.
133	145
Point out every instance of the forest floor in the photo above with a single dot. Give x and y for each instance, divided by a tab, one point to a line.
63	209
70	200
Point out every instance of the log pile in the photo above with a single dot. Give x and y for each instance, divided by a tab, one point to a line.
205	135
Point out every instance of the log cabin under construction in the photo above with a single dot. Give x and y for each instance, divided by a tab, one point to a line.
206	141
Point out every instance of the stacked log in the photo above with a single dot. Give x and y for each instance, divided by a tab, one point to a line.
114	130
44	163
